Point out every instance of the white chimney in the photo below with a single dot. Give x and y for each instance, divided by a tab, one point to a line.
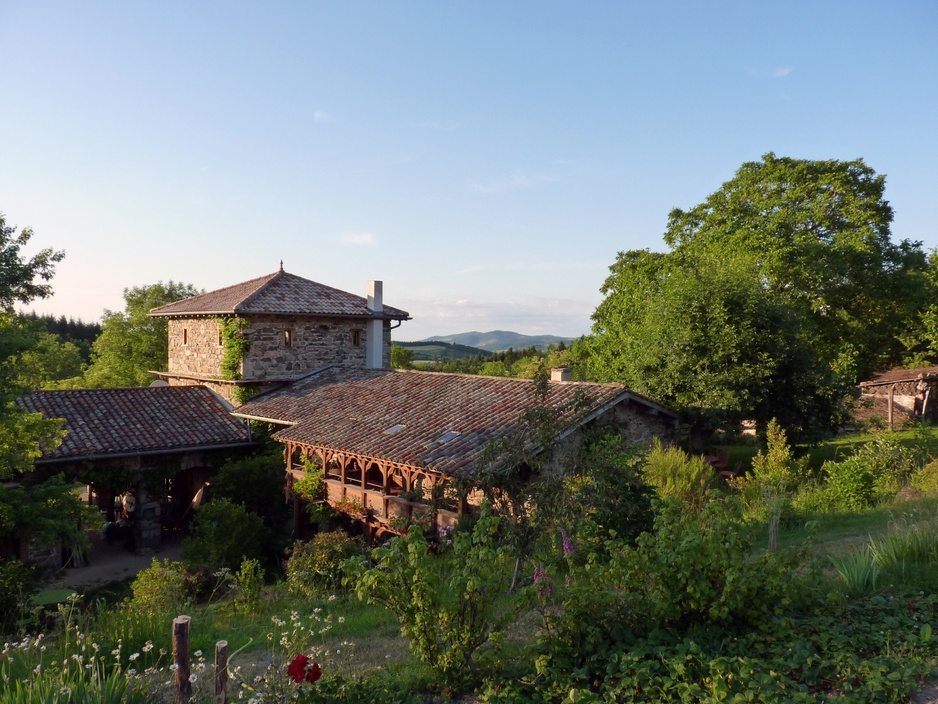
374	333
560	374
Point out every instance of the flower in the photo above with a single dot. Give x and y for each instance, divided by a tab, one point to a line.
297	668
193	677
314	673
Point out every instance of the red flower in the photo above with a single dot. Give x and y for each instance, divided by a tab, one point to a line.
314	673
298	672
297	668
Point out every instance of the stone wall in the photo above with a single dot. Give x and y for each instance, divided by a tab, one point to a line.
314	343
194	346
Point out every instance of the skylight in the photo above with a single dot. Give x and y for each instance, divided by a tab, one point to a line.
394	429
447	436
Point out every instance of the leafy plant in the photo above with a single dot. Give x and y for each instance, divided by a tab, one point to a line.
444	603
249	583
222	535
163	587
859	569
315	567
676	474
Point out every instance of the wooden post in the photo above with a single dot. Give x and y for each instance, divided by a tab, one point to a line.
221	671
181	659
892	393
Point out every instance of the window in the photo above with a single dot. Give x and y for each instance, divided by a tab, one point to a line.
185	336
356	338
288	338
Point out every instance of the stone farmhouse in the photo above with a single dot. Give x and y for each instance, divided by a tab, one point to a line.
314	361
901	393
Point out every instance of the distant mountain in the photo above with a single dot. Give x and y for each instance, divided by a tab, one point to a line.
432	350
500	340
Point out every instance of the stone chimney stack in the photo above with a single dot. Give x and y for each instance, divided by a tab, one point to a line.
560	374
374	333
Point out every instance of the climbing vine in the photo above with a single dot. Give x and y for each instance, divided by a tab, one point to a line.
235	344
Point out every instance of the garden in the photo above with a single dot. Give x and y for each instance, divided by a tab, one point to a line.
636	575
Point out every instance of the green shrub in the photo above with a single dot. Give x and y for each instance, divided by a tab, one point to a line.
17	581
224	534
249	583
851	486
315	567
859	570
926	479
674	473
161	588
444	603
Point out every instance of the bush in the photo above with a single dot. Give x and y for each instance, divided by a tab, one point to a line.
315	567
926	479
444	603
676	474
223	535
249	583
17	581
161	588
850	484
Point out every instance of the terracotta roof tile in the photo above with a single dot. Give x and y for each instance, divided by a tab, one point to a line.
279	293
351	410
102	422
896	375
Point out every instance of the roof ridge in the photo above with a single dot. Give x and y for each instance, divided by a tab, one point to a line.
270	279
204	294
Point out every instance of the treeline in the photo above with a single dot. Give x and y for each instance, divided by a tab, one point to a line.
522	363
69	329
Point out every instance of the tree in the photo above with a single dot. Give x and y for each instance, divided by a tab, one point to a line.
402	357
132	343
47	512
779	291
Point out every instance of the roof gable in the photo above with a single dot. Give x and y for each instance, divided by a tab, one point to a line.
438	421
118	422
280	293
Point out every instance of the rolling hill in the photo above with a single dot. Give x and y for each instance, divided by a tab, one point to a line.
500	340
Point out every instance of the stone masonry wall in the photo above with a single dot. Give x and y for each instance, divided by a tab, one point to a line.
316	343
193	346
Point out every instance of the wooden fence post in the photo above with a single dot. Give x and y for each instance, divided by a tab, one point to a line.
181	659
221	671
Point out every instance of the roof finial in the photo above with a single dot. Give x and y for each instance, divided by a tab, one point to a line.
281	265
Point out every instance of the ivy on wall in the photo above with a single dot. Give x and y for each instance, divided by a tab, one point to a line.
235	344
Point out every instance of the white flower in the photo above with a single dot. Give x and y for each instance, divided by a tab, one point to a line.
193	677
173	667
341	619
198	653
134	656
65	690
148	646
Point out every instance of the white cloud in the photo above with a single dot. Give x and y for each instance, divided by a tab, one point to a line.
781	71
359	239
517	180
323	116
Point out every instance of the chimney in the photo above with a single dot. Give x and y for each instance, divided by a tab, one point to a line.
560	374
374	333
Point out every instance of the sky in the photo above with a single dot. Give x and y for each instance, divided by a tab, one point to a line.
486	160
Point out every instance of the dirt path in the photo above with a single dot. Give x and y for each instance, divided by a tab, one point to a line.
112	563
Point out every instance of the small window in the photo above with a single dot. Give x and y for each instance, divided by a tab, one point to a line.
185	336
394	429
356	338
288	338
221	340
447	436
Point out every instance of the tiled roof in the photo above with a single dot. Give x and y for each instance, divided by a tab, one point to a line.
896	375
115	422
279	293
352	410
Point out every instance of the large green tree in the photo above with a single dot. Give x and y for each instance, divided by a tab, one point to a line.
778	293
46	512
131	342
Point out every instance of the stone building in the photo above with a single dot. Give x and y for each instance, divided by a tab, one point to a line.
386	438
909	392
288	326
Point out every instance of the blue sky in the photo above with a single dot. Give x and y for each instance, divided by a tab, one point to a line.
486	160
